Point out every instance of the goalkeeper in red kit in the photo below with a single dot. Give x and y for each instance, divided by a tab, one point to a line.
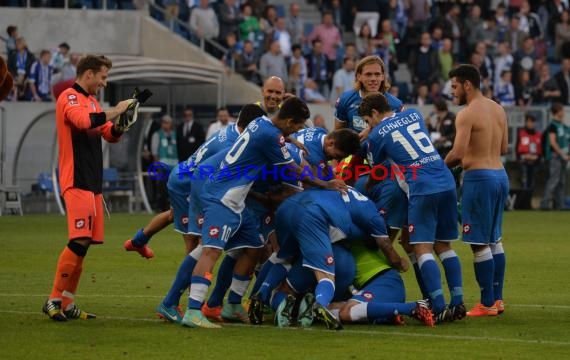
81	123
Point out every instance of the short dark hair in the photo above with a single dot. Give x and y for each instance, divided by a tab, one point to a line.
346	140
467	72
556	107
248	113
294	108
440	105
374	101
93	62
11	29
64	45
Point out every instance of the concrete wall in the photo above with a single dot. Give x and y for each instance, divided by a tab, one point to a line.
93	31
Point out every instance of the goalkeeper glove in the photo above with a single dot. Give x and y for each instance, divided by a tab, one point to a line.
129	117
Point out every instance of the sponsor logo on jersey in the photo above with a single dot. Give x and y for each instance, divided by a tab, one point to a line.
214	232
72	99
79	223
466	228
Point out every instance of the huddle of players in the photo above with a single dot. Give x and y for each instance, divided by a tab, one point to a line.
325	240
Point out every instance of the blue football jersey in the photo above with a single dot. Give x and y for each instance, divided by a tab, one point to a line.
313	139
221	139
260	149
404	140
347	108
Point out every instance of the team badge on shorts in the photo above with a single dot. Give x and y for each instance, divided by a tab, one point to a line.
382	211
466	228
411	228
368	296
184	219
214	231
79	223
329	260
268	219
200	220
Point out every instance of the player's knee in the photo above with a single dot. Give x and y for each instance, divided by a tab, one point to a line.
78	247
171	215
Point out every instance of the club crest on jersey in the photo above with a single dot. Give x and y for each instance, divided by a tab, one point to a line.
214	232
72	99
466	228
329	260
184	219
79	223
411	228
368	296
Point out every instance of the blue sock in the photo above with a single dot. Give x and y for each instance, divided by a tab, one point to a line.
376	311
260	277
324	292
452	268
418	273
484	273
277	299
140	239
223	281
432	281
198	290
276	274
181	282
239	286
499	276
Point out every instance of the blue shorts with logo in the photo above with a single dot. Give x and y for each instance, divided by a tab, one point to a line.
227	230
304	230
179	193
433	217
482	203
387	287
302	280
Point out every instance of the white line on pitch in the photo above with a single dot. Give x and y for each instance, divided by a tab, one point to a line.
135	296
349	331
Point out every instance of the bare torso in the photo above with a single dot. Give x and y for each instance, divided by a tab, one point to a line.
488	122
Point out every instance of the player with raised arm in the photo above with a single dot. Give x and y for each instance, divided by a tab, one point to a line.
181	185
258	150
481	138
432	208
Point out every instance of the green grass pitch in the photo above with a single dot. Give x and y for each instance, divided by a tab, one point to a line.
123	290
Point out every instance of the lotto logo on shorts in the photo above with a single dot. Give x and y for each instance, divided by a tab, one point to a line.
79	223
368	296
466	228
411	228
214	231
329	260
382	212
267	220
184	220
200	220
